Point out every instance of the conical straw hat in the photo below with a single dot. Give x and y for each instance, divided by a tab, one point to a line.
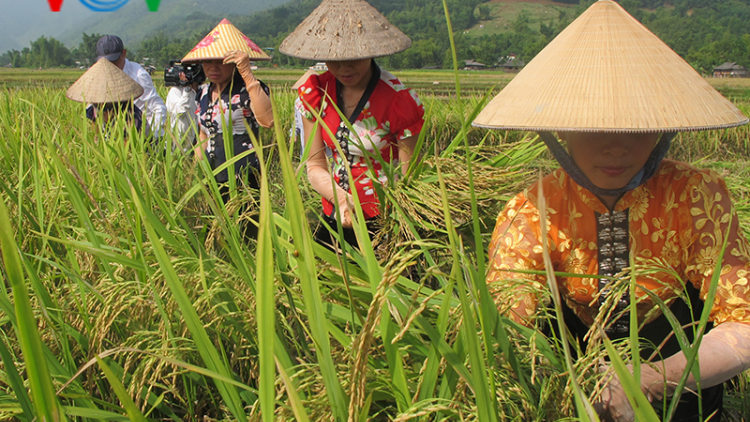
222	39
344	30
104	83
607	73
303	79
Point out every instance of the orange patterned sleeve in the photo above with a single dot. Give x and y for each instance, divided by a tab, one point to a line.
516	245
713	218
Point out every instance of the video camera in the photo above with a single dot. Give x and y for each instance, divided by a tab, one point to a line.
193	73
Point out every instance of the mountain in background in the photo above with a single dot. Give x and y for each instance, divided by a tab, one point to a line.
22	22
706	33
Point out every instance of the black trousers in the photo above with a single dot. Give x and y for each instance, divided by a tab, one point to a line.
326	238
249	176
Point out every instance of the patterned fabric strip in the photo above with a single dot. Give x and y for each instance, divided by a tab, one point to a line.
614	257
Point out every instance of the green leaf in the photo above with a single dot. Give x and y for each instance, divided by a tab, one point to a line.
292	395
42	390
303	242
134	414
265	301
16	383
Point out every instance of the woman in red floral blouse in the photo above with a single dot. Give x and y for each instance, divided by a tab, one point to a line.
386	117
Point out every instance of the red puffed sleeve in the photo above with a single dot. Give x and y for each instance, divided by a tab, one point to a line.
313	95
406	114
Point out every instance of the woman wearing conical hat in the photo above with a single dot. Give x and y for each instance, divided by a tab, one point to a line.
110	93
232	100
617	95
386	116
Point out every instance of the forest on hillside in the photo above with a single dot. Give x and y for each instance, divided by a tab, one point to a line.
704	32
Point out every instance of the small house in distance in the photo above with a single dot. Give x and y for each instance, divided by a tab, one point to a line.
510	64
730	70
473	65
319	67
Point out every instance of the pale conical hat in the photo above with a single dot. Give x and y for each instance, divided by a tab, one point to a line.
607	73
222	39
344	30
303	79
104	83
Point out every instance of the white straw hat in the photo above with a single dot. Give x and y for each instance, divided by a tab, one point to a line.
608	73
104	83
344	30
222	39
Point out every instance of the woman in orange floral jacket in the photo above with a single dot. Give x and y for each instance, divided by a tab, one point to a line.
616	202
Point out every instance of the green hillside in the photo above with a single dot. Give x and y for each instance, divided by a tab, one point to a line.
706	33
504	14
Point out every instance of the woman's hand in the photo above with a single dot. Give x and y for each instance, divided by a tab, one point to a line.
346	208
405	152
200	147
242	60
260	102
320	178
613	404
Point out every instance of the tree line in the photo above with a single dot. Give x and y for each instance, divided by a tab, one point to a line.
49	52
704	32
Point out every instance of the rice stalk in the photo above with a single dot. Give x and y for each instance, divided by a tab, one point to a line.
43	395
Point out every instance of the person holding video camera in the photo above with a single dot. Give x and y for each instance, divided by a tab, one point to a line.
150	103
182	106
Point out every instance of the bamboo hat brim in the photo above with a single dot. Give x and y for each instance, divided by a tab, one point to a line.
104	83
303	79
608	73
223	39
340	30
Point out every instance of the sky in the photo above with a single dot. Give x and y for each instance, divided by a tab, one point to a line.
23	21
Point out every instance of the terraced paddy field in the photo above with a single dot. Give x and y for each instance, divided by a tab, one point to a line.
427	82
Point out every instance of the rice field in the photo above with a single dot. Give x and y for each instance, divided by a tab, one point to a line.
130	292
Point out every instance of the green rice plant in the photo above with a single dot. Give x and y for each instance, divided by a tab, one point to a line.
42	392
266	299
211	356
304	258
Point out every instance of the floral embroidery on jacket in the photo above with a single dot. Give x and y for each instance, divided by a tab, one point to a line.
677	221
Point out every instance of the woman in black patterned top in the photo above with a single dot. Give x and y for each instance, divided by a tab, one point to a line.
233	101
235	96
